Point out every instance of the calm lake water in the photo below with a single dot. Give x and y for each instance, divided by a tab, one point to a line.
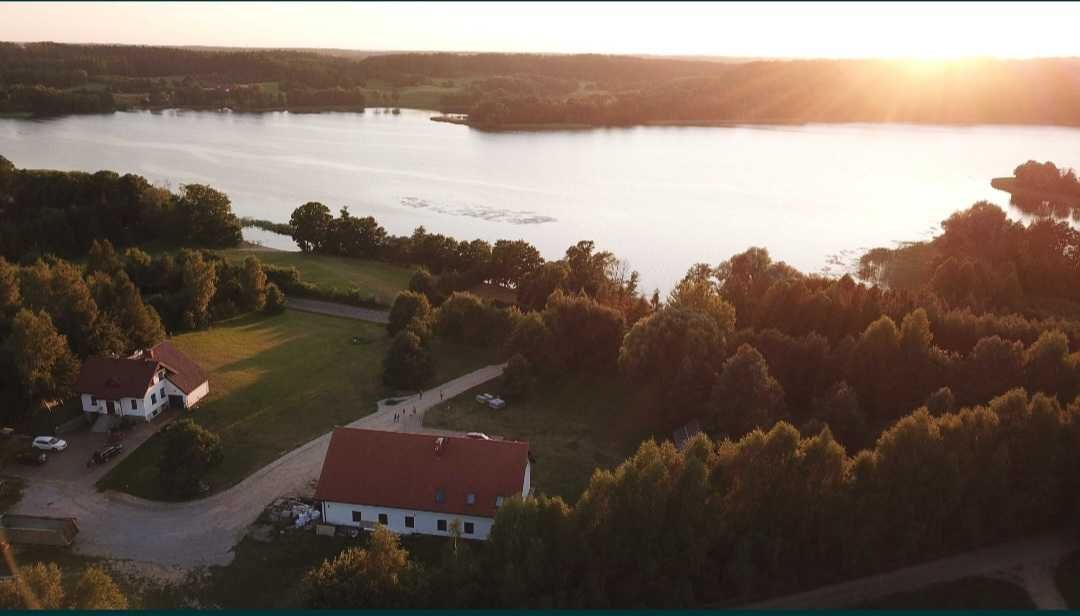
662	198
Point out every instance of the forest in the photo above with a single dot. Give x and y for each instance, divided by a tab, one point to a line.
926	404
527	90
62	213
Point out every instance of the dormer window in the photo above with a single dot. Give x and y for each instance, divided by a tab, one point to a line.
470	499
440	495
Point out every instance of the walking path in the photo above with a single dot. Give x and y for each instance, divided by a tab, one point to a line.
203	532
338	310
1040	553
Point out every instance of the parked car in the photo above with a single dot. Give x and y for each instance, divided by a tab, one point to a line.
32	457
497	403
484	398
49	443
479	435
102	456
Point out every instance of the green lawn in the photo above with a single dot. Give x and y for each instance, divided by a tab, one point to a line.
572	427
1067	577
974	593
382	279
276	383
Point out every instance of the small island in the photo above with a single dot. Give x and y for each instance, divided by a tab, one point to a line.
1042	189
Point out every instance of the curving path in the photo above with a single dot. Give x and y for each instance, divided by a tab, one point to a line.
203	532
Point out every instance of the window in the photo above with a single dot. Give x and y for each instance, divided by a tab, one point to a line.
134	404
409	522
470	499
498	501
153	399
384	519
440	495
441	525
162	392
356	516
469	528
93	401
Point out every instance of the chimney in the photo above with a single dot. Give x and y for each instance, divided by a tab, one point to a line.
440	444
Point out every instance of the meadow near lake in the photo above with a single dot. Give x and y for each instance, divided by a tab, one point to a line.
660	197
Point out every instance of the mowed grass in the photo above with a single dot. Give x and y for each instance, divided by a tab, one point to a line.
384	280
973	593
275	383
572	427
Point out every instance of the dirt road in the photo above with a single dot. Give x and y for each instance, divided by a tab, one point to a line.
204	532
338	310
1038	552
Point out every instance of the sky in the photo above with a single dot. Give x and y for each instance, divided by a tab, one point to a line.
785	30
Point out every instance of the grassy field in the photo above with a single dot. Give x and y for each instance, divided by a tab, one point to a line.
382	279
572	428
276	383
1067	577
974	593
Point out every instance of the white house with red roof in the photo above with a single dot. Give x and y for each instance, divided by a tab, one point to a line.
420	483
142	385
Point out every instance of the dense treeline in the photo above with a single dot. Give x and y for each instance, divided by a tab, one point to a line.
985	261
54	313
500	90
771	513
64	212
984	91
449	265
752	341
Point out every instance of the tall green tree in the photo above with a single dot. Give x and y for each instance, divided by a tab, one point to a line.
745	396
408	305
206	217
44	363
190	451
311	226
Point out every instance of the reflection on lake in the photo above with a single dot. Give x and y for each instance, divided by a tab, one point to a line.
661	197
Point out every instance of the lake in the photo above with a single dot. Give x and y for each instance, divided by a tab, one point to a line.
660	197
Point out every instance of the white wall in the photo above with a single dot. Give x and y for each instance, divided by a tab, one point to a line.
426	522
196	394
527	485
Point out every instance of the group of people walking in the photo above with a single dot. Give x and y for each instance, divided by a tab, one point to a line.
401	416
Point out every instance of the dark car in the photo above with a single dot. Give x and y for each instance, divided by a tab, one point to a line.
32	458
104	455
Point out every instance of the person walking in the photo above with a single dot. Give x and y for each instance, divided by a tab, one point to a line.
440	395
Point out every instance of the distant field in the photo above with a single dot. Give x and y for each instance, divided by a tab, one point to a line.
572	427
382	279
974	593
276	383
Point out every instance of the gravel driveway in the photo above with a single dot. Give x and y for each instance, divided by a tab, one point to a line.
203	532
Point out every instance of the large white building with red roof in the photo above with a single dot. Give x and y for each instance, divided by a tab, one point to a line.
142	385
420	483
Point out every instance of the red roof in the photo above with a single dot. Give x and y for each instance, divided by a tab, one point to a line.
400	470
115	378
112	378
184	373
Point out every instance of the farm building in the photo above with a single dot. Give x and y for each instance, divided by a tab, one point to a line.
142	385
419	483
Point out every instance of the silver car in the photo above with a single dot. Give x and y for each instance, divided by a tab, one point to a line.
49	443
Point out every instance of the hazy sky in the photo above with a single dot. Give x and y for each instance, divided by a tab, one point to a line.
753	29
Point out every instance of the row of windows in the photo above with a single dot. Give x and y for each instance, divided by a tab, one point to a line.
410	522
